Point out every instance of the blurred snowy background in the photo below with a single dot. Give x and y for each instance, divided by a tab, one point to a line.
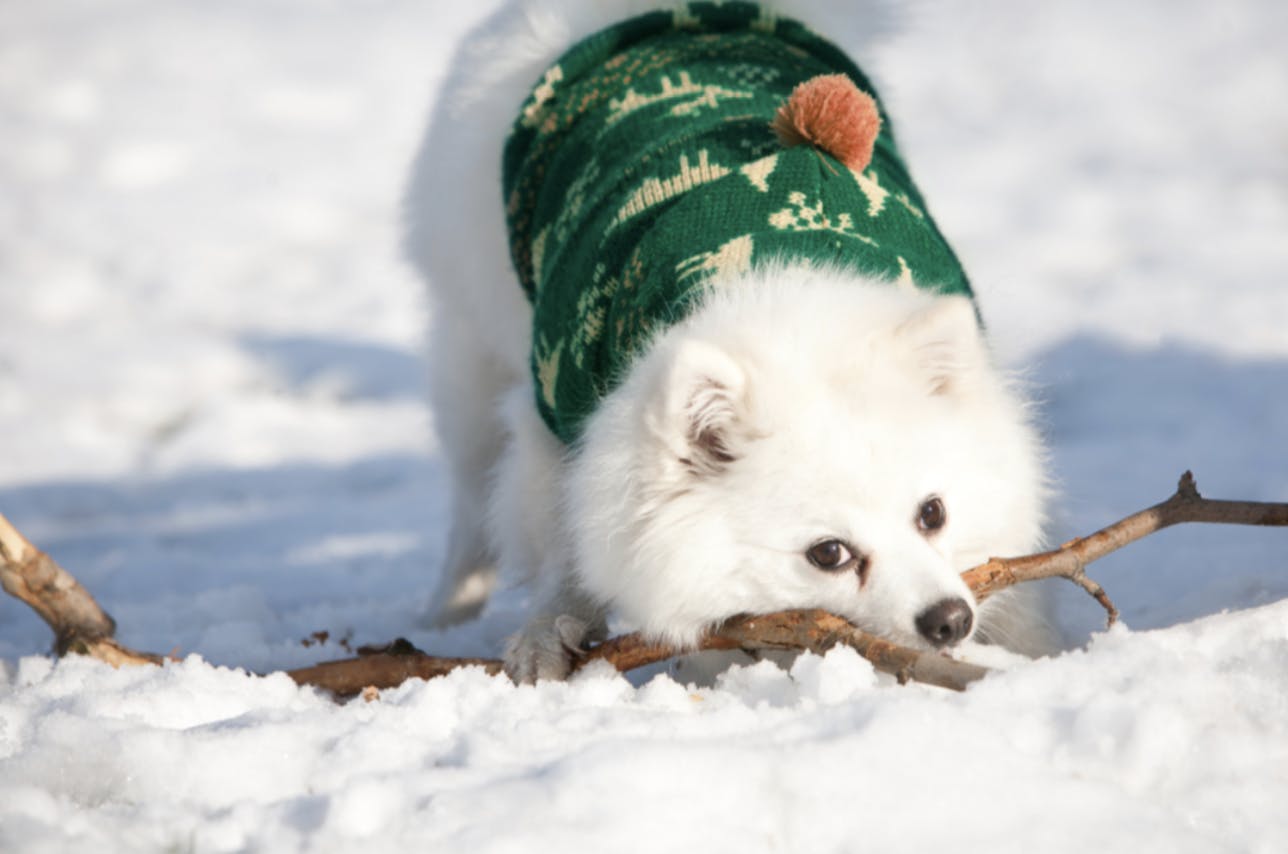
211	411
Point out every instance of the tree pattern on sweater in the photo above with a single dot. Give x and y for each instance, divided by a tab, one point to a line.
642	170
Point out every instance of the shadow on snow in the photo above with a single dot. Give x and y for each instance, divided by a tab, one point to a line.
241	564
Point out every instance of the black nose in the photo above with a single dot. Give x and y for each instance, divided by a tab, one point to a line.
946	622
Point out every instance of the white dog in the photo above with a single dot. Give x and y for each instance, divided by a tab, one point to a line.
715	392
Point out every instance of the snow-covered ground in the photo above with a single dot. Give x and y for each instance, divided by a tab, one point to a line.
211	412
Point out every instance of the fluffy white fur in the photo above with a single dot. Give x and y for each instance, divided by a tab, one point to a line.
793	406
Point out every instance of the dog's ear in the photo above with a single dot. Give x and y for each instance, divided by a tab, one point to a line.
945	343
698	409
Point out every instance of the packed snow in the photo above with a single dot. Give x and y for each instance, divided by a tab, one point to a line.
211	412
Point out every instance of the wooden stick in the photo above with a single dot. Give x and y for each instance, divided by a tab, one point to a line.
818	631
813	631
806	630
349	676
1070	560
81	626
31	575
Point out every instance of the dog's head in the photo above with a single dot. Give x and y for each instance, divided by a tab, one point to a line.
804	440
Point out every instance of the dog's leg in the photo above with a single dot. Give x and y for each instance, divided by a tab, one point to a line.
551	641
527	515
466	385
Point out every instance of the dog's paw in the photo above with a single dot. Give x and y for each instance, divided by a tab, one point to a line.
546	648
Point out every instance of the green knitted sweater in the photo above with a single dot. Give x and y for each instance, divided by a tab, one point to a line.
642	167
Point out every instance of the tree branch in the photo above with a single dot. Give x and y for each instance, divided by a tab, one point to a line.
81	626
1070	560
349	676
807	630
813	631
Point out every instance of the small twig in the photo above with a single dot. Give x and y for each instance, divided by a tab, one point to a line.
1070	560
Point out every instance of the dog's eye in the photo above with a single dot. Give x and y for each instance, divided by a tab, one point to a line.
830	554
931	516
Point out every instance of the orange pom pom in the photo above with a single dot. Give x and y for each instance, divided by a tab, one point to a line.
831	113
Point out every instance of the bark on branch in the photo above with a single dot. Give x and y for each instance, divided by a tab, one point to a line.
81	626
812	630
815	631
1070	560
350	676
